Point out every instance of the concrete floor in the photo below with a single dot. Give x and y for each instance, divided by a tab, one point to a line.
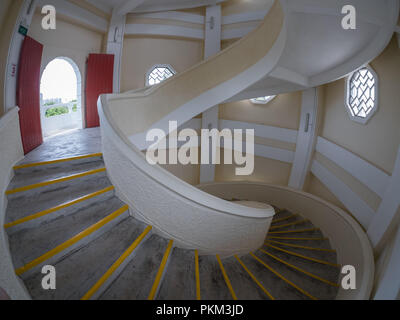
68	144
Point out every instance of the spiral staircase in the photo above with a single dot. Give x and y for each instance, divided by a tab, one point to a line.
116	227
99	251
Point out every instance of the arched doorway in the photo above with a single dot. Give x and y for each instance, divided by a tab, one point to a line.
60	97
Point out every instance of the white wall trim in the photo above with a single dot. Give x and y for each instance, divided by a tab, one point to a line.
188	4
77	13
306	139
163	30
245	17
374	178
389	286
115	44
173	15
361	211
387	210
128	6
262	131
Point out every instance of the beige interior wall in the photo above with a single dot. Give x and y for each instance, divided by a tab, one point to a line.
283	111
378	140
9	10
141	53
68	40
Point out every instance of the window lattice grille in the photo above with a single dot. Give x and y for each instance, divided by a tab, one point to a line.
362	93
159	74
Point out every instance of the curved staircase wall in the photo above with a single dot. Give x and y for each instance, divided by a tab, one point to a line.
11	153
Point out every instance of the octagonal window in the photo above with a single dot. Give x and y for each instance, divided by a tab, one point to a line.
159	73
262	100
362	94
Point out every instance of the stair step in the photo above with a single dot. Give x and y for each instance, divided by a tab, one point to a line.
136	280
316	288
26	167
326	258
85	266
25	204
179	282
38	176
66	208
327	272
56	239
315	242
212	282
278	288
242	283
47	185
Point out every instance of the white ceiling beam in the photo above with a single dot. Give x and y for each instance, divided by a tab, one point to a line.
128	6
177	5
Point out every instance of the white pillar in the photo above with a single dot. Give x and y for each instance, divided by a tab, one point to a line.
115	43
212	45
306	139
10	81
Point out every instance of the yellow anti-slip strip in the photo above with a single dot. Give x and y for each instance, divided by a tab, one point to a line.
293	231
288	224
197	274
304	257
297	238
50	182
37	164
160	272
116	264
301	270
228	282
283	219
301	247
72	241
282	277
59	207
254	278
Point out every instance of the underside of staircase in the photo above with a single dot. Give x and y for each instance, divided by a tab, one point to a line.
65	213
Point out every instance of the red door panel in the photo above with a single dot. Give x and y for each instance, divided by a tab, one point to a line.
28	94
99	80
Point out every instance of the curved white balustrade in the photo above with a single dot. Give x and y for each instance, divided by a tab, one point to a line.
345	234
192	218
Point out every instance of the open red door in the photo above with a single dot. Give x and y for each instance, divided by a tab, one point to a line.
28	94
99	80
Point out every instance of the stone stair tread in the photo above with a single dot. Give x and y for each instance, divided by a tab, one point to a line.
27	245
80	270
316	288
136	280
322	255
179	282
37	176
244	286
26	204
212	283
325	271
278	288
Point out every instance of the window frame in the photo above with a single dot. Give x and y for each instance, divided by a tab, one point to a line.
159	65
270	98
348	107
